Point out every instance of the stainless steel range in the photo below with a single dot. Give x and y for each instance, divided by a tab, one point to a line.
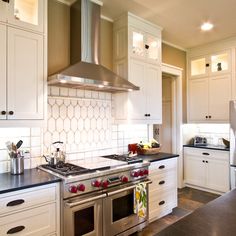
98	197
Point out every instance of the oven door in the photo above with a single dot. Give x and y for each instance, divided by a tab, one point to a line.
83	216
118	211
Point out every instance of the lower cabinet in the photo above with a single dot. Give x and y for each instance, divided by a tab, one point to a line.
30	212
207	169
163	190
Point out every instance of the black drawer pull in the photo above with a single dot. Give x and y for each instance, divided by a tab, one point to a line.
15	202
162	167
3	113
162	203
161	182
6	1
16	229
206	154
11	113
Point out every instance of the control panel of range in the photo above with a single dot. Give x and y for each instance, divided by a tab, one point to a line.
104	182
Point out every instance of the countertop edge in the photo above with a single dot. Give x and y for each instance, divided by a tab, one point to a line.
207	147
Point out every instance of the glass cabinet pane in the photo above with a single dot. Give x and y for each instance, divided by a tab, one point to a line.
26	11
198	67
152	47
137	43
219	62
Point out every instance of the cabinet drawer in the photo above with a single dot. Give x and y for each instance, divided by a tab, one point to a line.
207	153
164	181
160	167
35	222
23	199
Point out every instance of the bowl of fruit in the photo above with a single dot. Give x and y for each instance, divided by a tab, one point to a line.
150	148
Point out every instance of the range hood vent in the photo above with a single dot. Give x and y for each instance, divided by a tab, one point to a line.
85	71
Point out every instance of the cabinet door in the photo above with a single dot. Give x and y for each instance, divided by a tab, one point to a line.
219	97
198	100
25	75
154	93
3	10
3	65
217	175
137	99
152	46
220	63
198	67
194	170
26	14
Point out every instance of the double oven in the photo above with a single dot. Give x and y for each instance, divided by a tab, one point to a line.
104	213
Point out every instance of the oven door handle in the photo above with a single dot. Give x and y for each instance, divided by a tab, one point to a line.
127	188
73	204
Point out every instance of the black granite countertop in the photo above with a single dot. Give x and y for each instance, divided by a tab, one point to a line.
215	218
30	178
158	157
213	147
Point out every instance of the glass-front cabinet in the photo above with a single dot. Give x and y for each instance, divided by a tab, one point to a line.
213	64
23	13
145	46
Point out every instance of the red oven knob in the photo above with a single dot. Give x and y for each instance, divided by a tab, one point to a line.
96	183
124	179
141	173
73	189
105	184
135	174
146	172
81	187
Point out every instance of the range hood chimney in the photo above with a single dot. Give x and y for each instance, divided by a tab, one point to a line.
85	70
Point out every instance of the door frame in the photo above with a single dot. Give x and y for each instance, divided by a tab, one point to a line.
177	115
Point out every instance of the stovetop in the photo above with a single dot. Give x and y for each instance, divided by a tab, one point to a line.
67	169
126	158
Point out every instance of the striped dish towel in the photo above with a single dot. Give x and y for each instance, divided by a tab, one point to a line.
140	200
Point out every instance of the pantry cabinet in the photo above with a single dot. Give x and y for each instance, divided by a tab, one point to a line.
23	13
137	57
206	169
210	88
31	212
163	190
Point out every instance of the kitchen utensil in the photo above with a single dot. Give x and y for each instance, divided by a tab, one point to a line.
51	160
226	142
9	145
17	165
19	143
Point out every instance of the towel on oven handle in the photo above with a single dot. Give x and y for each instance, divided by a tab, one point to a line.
140	200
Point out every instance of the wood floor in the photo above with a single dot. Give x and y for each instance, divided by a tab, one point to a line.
188	200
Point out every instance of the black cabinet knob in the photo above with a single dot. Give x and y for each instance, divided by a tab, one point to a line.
209	117
146	46
146	115
206	117
11	113
3	113
206	161
207	65
162	167
203	161
162	182
161	203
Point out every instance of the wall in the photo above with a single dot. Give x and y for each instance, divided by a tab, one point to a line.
177	57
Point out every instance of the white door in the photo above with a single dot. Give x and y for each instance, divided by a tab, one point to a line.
217	176
3	11
137	99
219	97
194	170
25	75
198	99
153	81
26	14
3	58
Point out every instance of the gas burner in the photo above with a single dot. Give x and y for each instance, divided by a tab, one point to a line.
126	158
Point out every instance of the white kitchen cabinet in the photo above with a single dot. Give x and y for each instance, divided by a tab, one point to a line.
206	169
210	87
25	75
23	13
137	57
32	211
3	64
163	190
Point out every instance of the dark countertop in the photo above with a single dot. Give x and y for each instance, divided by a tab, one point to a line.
158	157
213	147
30	178
215	218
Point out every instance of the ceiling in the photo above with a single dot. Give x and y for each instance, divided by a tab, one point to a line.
181	19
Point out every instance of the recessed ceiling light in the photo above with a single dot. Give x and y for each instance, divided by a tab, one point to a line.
206	26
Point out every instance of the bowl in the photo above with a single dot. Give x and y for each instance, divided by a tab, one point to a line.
226	142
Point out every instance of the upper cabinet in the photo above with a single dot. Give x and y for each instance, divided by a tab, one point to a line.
210	81
28	14
137	58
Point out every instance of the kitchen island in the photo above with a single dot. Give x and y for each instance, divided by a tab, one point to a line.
216	218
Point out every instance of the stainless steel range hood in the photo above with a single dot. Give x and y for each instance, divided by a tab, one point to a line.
85	71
